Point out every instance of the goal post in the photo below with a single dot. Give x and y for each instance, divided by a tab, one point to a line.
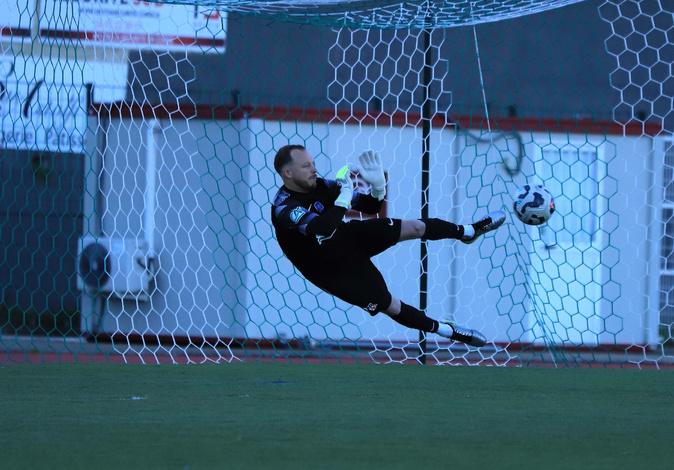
175	258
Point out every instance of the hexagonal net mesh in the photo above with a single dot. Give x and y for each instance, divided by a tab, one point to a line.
137	199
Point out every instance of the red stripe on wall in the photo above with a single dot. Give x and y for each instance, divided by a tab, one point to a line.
132	38
6	31
399	119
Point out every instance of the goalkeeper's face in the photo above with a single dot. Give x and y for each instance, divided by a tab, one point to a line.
301	171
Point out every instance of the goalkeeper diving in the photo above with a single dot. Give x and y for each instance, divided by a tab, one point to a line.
307	214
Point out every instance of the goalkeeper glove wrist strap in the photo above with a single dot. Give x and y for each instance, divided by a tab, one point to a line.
344	199
379	193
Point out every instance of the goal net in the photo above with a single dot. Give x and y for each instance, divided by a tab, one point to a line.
137	155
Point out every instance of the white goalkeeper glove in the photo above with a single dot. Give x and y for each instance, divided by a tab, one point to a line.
343	177
372	171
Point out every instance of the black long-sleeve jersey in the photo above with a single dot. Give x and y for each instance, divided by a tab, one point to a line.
304	221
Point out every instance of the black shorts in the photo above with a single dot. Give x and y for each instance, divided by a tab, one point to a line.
363	239
352	277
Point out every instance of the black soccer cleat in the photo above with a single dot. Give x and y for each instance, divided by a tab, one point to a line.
486	224
467	335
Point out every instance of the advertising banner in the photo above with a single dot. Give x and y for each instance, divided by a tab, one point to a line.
135	24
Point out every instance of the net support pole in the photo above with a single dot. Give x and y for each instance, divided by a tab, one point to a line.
153	132
425	178
92	306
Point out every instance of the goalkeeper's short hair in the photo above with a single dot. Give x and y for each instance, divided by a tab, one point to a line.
283	156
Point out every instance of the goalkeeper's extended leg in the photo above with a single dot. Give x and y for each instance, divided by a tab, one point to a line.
486	224
414	318
438	229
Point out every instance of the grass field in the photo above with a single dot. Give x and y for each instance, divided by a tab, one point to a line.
278	415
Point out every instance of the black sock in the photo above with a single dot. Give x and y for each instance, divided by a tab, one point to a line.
438	229
414	318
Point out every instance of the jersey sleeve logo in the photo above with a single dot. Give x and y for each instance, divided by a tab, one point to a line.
281	196
297	213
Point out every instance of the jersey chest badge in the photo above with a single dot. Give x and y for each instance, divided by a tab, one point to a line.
297	213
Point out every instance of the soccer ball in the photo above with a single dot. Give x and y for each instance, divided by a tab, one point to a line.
533	204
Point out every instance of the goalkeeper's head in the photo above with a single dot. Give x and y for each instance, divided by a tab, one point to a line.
296	167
